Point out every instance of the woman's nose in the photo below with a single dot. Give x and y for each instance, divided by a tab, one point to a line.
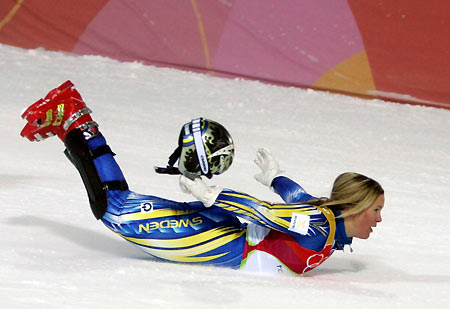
379	219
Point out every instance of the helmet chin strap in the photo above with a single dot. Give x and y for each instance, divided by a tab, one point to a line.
170	168
199	147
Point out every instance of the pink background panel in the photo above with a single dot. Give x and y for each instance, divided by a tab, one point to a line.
150	31
308	40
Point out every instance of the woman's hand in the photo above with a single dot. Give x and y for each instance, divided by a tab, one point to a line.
268	165
205	194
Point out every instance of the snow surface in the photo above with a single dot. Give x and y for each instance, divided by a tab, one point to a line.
54	254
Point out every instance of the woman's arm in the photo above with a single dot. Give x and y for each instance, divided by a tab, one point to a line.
272	176
289	190
305	223
274	216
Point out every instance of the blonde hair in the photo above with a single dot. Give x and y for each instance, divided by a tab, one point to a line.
352	193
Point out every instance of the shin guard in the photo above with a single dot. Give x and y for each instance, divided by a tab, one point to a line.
78	152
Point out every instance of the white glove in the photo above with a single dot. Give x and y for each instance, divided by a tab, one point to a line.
205	194
268	165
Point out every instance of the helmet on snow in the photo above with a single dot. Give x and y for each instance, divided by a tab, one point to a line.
204	148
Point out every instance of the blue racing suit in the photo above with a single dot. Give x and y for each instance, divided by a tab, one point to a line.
291	237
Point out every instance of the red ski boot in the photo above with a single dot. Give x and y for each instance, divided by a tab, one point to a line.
61	111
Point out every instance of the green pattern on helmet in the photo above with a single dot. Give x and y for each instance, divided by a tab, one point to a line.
219	149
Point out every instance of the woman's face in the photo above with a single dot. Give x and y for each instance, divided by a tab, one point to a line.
365	221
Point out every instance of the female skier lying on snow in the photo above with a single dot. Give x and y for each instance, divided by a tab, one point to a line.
294	237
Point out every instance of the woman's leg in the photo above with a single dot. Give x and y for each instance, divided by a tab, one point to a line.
172	231
169	230
63	113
